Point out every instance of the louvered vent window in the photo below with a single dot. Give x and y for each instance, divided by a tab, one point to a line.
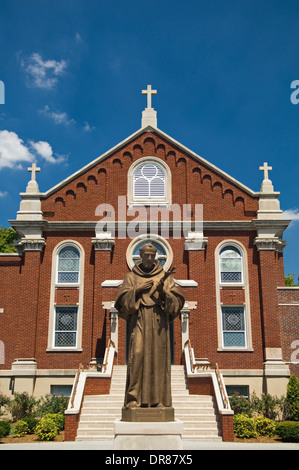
149	182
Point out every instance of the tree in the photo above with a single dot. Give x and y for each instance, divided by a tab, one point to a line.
7	237
290	280
293	398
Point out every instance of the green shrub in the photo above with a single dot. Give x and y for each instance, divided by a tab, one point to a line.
264	426
4	428
52	404
240	404
31	423
4	400
46	430
244	427
22	405
21	428
293	398
58	419
288	431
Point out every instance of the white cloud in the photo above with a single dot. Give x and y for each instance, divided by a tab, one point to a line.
45	150
57	117
291	214
87	127
12	150
3	193
43	73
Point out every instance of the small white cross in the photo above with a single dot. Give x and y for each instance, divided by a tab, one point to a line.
265	168
149	92
33	171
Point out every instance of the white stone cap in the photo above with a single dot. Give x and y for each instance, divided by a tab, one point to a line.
148	428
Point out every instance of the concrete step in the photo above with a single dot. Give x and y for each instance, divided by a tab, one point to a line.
197	412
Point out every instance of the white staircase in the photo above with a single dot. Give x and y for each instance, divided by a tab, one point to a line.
196	411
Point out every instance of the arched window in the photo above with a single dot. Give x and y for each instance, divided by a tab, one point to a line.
231	265
149	181
68	266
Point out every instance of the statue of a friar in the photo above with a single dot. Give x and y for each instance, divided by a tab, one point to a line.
148	299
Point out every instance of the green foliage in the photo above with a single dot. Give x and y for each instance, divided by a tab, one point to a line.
288	431
53	404
58	419
240	404
244	427
4	400
4	428
290	280
7	238
266	405
22	405
293	398
31	423
47	429
264	426
21	428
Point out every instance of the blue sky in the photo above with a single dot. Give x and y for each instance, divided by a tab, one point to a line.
74	70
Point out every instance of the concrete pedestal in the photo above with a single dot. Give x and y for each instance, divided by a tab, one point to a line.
148	435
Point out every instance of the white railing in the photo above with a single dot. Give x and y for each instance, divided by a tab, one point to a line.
201	368
90	370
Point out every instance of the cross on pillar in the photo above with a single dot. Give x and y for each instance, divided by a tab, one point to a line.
33	170
149	92
265	168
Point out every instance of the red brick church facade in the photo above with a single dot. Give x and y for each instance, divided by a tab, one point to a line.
57	292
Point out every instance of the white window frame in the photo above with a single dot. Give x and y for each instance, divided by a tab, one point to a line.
55	286
61	331
134	201
233	331
244	285
231	283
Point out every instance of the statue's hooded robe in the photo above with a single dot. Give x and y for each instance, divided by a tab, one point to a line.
149	362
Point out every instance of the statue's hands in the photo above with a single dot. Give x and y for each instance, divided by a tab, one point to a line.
144	286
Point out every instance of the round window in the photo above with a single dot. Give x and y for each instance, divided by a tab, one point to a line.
164	252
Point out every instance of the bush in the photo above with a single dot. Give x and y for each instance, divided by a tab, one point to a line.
288	431
240	404
52	404
264	426
22	405
46	430
21	428
4	428
244	427
58	419
292	398
31	423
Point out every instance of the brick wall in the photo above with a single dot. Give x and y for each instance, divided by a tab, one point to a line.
288	300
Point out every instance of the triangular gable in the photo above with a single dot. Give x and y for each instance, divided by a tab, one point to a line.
172	141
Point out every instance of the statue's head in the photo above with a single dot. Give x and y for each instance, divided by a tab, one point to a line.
148	255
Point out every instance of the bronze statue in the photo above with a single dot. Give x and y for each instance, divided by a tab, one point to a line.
148	299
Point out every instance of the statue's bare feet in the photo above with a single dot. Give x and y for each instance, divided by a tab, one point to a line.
132	404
